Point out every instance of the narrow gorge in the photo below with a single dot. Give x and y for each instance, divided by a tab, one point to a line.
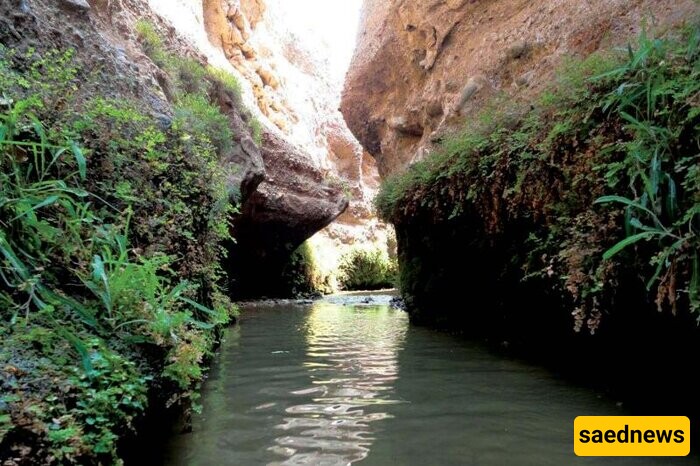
343	231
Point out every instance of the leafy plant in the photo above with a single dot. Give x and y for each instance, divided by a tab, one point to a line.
110	244
614	130
367	269
654	97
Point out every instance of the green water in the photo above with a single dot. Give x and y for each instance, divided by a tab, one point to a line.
335	382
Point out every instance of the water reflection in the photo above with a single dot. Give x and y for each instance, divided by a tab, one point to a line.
352	363
320	385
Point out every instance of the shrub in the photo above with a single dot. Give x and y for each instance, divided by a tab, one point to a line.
301	276
197	116
190	76
193	85
227	80
367	269
52	241
231	84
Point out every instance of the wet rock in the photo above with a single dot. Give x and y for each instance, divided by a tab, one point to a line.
164	121
397	302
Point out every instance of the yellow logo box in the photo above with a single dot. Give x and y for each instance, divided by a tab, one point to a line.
632	436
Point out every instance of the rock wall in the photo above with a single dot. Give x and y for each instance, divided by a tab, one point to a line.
421	68
424	68
288	78
308	167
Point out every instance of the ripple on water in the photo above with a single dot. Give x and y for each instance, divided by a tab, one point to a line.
337	382
351	371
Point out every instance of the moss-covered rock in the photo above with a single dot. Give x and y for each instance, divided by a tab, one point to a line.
112	229
572	195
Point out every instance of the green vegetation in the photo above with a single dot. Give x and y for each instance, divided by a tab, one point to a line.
227	80
194	85
151	42
111	232
195	114
600	175
256	129
301	276
367	269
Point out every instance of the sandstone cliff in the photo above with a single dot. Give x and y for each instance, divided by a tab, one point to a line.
287	78
423	67
308	169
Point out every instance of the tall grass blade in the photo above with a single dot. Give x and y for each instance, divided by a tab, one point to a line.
613	251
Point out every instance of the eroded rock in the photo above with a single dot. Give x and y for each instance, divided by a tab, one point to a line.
435	55
289	206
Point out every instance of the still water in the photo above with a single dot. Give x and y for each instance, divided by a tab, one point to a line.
342	381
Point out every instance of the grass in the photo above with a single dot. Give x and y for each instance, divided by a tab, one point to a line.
111	232
151	41
227	80
194	84
603	167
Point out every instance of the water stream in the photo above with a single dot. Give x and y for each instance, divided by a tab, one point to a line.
343	380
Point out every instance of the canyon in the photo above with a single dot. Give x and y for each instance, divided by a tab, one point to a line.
308	174
531	166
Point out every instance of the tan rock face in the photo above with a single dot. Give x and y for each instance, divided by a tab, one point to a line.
298	180
424	67
294	89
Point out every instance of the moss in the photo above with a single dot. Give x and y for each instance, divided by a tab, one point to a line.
110	247
593	180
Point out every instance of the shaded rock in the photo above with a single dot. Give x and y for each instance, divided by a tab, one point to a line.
404	125
288	207
519	50
245	155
